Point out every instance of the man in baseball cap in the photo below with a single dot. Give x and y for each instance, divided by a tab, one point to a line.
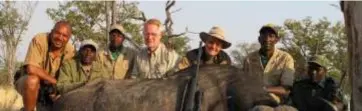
318	90
269	28
78	71
117	59
275	66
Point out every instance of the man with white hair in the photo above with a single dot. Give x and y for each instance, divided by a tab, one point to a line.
155	60
78	71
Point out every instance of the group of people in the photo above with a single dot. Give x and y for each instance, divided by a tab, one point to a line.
316	91
52	62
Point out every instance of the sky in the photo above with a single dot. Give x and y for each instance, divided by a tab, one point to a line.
240	20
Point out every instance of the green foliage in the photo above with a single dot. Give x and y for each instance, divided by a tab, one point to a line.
88	18
11	17
14	19
242	50
179	44
135	31
308	38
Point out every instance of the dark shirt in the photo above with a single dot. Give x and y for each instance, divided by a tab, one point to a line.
221	58
310	96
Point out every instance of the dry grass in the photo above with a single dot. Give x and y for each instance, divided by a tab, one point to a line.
4	79
10	99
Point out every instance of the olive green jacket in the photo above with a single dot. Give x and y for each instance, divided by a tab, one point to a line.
72	76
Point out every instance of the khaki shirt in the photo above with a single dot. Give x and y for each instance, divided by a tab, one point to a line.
72	75
279	71
191	58
157	64
37	52
122	66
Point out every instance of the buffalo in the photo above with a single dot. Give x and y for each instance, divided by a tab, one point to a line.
223	87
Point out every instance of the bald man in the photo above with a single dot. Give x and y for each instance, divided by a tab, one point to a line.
45	54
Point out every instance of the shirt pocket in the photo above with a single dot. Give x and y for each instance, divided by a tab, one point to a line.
161	68
108	67
98	73
125	64
274	77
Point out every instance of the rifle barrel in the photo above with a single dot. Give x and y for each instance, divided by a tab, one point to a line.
192	90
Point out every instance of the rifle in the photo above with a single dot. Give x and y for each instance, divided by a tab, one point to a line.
191	99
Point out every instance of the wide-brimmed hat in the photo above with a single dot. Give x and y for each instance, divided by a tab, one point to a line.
218	33
89	42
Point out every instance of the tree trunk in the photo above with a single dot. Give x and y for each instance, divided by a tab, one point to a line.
10	60
107	20
353	19
114	12
11	31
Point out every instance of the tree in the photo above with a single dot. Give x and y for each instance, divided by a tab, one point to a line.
242	50
305	38
178	42
13	23
89	18
352	16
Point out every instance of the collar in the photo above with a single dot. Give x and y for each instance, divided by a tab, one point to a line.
275	53
93	66
160	47
62	53
321	83
207	57
108	51
276	50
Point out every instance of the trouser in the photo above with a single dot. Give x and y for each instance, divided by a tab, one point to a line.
268	108
44	91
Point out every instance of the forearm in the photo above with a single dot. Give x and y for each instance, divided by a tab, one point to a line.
66	87
32	70
279	90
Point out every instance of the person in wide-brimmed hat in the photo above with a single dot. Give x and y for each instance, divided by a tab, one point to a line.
212	50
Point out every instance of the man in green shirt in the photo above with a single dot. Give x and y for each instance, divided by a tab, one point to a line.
116	58
78	71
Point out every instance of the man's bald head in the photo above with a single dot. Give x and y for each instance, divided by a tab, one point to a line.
60	34
63	23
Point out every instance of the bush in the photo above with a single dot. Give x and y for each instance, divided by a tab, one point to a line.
4	78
